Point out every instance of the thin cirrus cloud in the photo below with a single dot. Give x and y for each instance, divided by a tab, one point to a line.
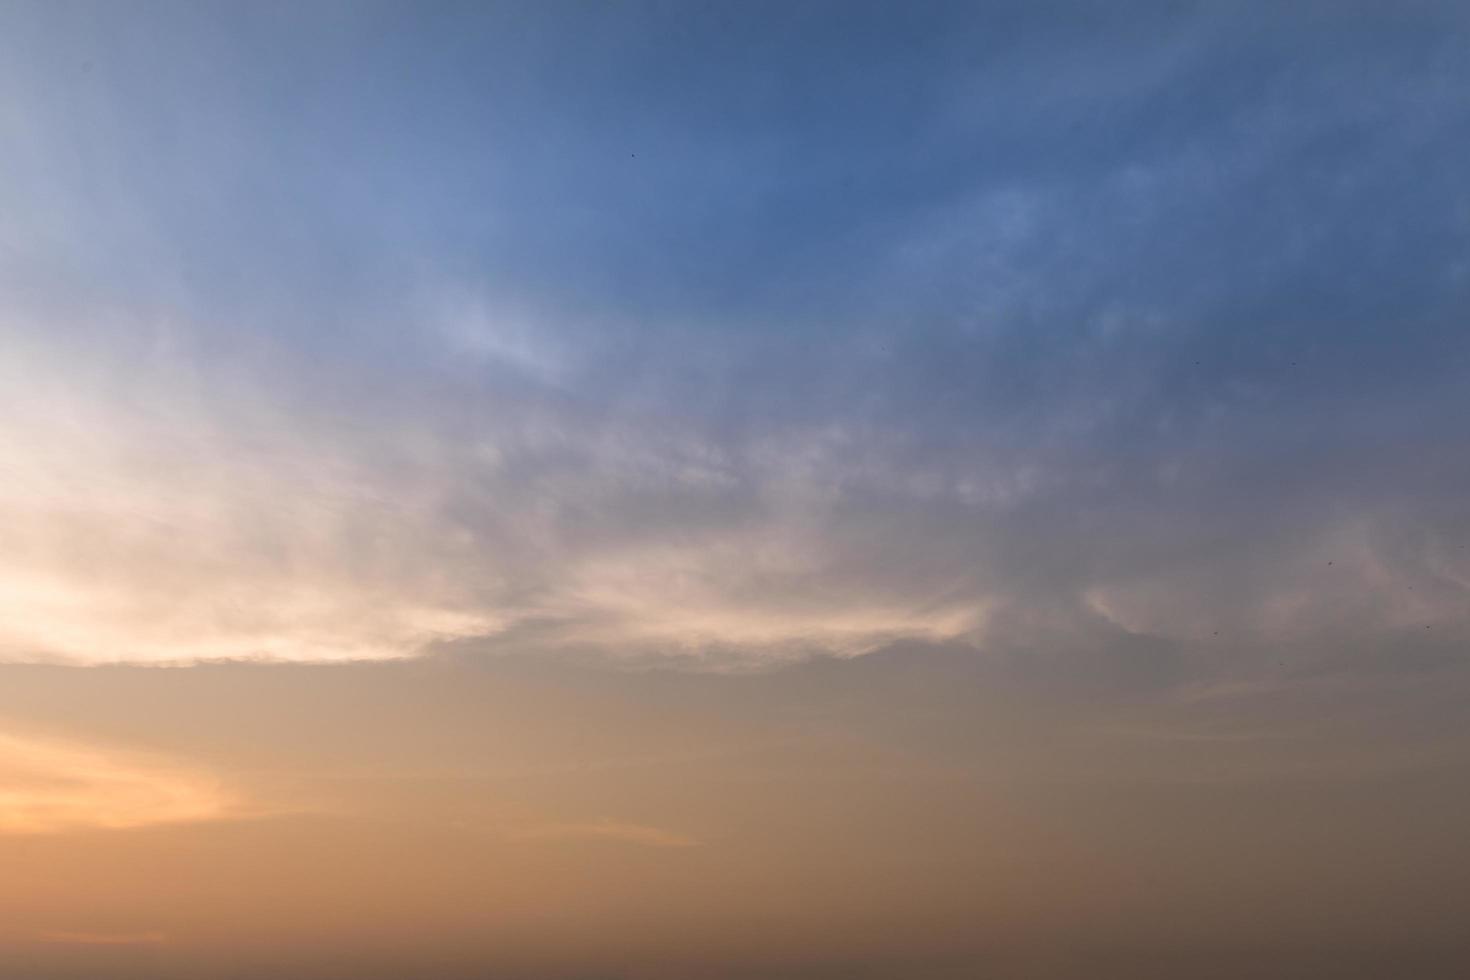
605	830
68	938
51	787
911	345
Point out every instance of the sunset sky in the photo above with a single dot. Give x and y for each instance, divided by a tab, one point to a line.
663	490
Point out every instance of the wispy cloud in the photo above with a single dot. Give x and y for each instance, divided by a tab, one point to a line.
77	938
1042	341
48	786
604	830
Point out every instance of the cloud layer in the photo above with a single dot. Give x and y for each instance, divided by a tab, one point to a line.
1018	330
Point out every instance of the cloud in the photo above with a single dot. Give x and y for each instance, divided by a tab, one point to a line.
144	524
1063	331
69	938
605	830
52	787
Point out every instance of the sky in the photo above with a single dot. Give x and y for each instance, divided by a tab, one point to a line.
643	490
